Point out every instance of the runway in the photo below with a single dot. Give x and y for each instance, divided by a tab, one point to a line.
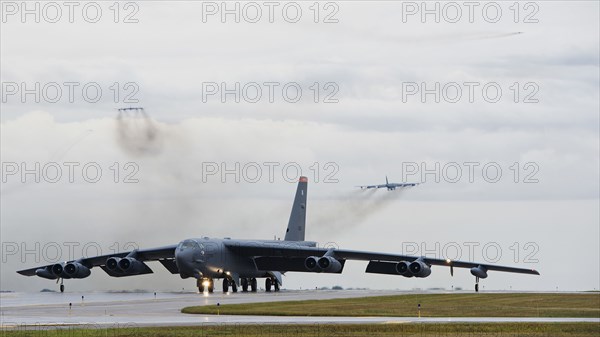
31	310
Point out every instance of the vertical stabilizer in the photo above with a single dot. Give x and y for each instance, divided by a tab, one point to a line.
297	223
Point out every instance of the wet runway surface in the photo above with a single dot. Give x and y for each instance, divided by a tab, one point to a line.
144	309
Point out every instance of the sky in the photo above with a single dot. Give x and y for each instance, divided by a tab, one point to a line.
493	107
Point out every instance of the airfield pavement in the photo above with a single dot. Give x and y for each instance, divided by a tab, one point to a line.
101	309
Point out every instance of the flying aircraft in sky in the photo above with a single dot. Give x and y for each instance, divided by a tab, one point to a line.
389	186
240	262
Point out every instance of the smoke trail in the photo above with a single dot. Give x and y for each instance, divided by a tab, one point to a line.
137	133
351	209
493	36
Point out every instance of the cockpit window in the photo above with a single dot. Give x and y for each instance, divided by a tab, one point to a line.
188	244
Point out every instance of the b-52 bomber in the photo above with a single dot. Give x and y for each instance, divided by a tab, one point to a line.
388	185
239	263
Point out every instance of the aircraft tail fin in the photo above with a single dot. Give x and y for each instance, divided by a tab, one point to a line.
386	181
297	224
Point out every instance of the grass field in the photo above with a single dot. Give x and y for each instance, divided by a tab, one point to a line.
432	305
338	330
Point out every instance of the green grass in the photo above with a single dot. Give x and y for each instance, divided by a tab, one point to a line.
338	330
432	305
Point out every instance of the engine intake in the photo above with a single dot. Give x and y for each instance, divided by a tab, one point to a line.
57	270
402	269
129	265
76	270
419	269
329	265
112	263
311	263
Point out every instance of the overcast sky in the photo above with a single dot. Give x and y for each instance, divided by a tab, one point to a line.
511	170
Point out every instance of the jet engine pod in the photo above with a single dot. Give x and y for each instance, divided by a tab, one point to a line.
311	264
479	271
419	269
402	269
112	263
76	270
130	265
46	273
58	270
329	265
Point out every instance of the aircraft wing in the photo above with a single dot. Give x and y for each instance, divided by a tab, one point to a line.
404	184
153	254
278	254
372	186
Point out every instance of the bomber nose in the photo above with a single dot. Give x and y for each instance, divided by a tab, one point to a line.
185	263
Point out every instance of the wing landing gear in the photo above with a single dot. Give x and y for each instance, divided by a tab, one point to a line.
244	285
62	286
253	285
225	285
476	284
271	282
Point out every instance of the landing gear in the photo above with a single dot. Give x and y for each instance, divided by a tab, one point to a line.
268	285
253	285
225	285
62	286
271	282
200	285
476	284
244	285
205	283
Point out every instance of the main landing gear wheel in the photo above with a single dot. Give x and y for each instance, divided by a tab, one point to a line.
253	285
276	285
233	286
268	285
200	285
244	285
62	288
476	284
211	286
225	285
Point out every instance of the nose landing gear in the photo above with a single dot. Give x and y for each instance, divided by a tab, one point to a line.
205	283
